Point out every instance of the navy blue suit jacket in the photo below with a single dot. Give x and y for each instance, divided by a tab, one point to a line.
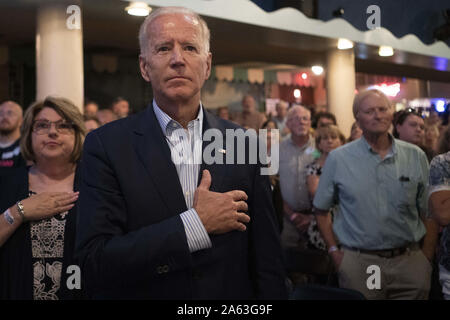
131	240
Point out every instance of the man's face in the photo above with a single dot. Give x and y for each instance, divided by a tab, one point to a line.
10	118
281	110
176	63
374	116
223	113
324	122
91	109
248	104
105	116
121	108
299	122
412	130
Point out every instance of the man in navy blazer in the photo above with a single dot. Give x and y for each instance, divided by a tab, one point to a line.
157	221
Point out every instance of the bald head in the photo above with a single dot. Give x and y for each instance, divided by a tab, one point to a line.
11	105
11	115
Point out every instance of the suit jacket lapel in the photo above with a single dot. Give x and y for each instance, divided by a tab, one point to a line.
217	171
152	149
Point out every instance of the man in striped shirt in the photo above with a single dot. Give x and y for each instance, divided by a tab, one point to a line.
156	220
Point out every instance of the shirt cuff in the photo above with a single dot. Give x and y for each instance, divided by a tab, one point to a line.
197	237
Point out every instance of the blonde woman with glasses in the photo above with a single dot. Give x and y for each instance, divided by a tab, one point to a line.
37	226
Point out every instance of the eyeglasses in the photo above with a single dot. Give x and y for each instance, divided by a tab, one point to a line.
298	118
43	126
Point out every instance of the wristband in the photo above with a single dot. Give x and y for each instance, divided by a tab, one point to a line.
20	210
8	217
333	249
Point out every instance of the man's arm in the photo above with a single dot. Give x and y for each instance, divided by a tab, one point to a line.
265	249
431	238
325	224
109	254
323	201
299	219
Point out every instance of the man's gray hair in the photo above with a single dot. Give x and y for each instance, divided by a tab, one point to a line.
143	31
360	97
293	110
282	103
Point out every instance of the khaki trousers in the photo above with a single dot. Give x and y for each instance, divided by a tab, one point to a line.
404	277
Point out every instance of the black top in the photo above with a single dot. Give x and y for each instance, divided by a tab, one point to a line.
10	158
16	257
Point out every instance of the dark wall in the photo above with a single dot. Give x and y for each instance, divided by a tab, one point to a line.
401	17
126	82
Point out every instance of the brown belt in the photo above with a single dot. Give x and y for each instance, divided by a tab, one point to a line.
387	253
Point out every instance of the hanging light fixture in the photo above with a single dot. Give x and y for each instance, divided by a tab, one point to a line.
385	51
344	44
317	70
140	9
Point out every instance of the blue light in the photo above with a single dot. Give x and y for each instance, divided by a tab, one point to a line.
440	105
440	63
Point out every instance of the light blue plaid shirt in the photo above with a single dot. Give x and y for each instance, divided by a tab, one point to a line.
186	152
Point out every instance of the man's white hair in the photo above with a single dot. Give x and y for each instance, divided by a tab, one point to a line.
293	111
143	31
360	97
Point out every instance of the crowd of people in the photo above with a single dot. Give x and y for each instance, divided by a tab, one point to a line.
140	223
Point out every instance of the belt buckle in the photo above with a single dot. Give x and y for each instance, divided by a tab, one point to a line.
386	254
393	252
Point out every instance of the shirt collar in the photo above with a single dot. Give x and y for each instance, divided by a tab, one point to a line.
309	143
366	146
165	120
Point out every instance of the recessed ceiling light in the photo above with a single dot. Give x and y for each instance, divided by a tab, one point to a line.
317	70
344	44
140	9
386	51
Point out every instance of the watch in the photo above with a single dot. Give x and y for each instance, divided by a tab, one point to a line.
333	249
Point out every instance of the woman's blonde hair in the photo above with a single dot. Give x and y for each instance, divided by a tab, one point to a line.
329	130
67	110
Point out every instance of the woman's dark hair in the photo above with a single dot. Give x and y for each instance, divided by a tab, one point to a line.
401	116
